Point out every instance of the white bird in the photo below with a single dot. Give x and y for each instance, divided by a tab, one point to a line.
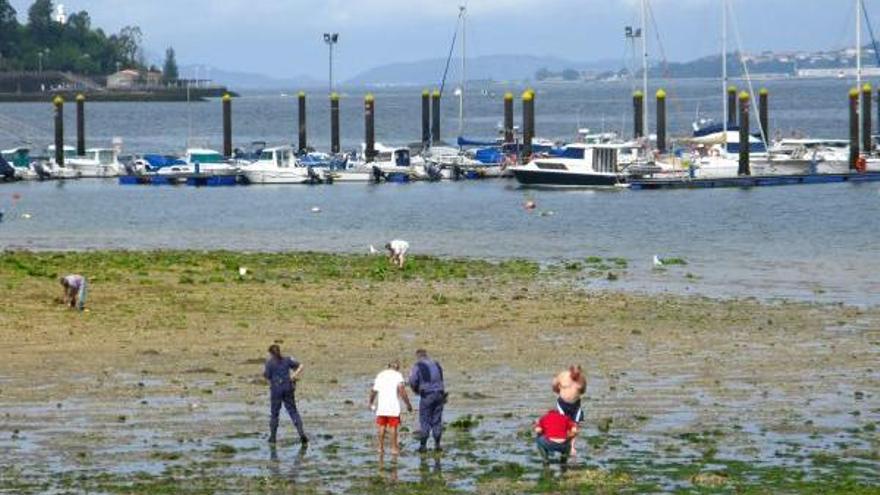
373	250
316	210
657	261
242	271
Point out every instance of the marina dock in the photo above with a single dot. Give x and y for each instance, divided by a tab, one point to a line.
751	181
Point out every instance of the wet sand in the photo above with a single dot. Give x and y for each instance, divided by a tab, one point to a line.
158	386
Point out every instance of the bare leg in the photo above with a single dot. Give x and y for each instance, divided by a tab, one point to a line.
381	446
395	447
401	260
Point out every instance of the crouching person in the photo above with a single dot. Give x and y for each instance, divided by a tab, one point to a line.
555	433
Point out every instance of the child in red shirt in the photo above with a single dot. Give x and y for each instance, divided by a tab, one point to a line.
555	433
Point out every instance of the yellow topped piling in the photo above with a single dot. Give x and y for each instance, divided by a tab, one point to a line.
369	98
764	92
80	97
744	95
508	96
58	100
334	96
661	93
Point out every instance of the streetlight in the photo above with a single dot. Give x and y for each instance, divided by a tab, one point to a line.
331	39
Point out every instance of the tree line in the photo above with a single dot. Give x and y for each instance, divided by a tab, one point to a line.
44	44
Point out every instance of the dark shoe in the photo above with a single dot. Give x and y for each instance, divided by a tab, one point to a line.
423	449
272	439
304	440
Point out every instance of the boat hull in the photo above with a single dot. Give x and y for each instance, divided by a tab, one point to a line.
528	177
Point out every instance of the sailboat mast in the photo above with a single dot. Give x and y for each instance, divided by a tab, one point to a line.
859	65
645	61
463	9
724	81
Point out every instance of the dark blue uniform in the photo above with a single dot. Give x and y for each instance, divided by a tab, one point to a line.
281	391
426	379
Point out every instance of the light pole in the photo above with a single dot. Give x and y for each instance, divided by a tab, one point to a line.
331	39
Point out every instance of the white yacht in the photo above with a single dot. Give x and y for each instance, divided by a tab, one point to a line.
50	169
581	165
389	163
279	166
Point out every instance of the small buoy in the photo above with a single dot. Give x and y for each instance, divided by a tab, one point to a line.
548	213
657	261
530	205
242	271
26	215
316	210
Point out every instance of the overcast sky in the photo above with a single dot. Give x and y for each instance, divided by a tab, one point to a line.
283	37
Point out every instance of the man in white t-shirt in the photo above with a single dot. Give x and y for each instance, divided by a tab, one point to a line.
397	252
387	392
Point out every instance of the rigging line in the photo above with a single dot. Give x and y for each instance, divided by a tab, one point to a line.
745	66
871	33
663	58
451	51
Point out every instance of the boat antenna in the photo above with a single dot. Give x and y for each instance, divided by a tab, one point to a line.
724	81
463	16
859	63
644	15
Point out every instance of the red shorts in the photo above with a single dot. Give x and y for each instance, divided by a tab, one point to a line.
389	421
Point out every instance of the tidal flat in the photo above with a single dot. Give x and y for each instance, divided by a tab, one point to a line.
157	387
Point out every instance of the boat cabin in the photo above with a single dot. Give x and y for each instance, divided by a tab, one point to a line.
204	156
280	157
18	157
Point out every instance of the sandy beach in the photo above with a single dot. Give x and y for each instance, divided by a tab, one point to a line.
157	387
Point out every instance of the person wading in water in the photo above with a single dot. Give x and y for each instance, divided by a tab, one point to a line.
569	386
426	380
281	391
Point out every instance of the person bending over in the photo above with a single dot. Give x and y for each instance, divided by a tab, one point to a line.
75	291
397	250
556	433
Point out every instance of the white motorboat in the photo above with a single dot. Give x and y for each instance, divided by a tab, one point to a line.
582	165
97	162
50	169
389	164
278	165
201	162
20	160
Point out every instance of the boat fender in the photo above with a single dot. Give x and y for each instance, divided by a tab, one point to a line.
861	165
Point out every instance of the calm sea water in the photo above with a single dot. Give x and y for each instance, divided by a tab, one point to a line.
807	242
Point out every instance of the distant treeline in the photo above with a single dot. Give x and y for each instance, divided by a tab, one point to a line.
43	43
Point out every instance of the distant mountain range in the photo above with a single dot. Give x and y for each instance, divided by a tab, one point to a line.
248	80
491	67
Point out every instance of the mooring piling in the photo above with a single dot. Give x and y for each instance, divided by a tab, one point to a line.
435	117
764	114
744	144
508	117
227	125
867	138
334	123
370	126
853	128
661	121
80	124
58	101
731	106
301	110
426	118
638	114
528	101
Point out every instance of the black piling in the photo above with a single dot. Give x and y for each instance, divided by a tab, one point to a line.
661	121
370	126
334	123
426	118
853	128
59	130
508	117
731	106
80	125
867	138
638	114
303	141
764	114
227	125
435	117
744	145
528	100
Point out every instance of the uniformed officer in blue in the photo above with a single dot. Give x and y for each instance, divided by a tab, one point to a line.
426	380
281	390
